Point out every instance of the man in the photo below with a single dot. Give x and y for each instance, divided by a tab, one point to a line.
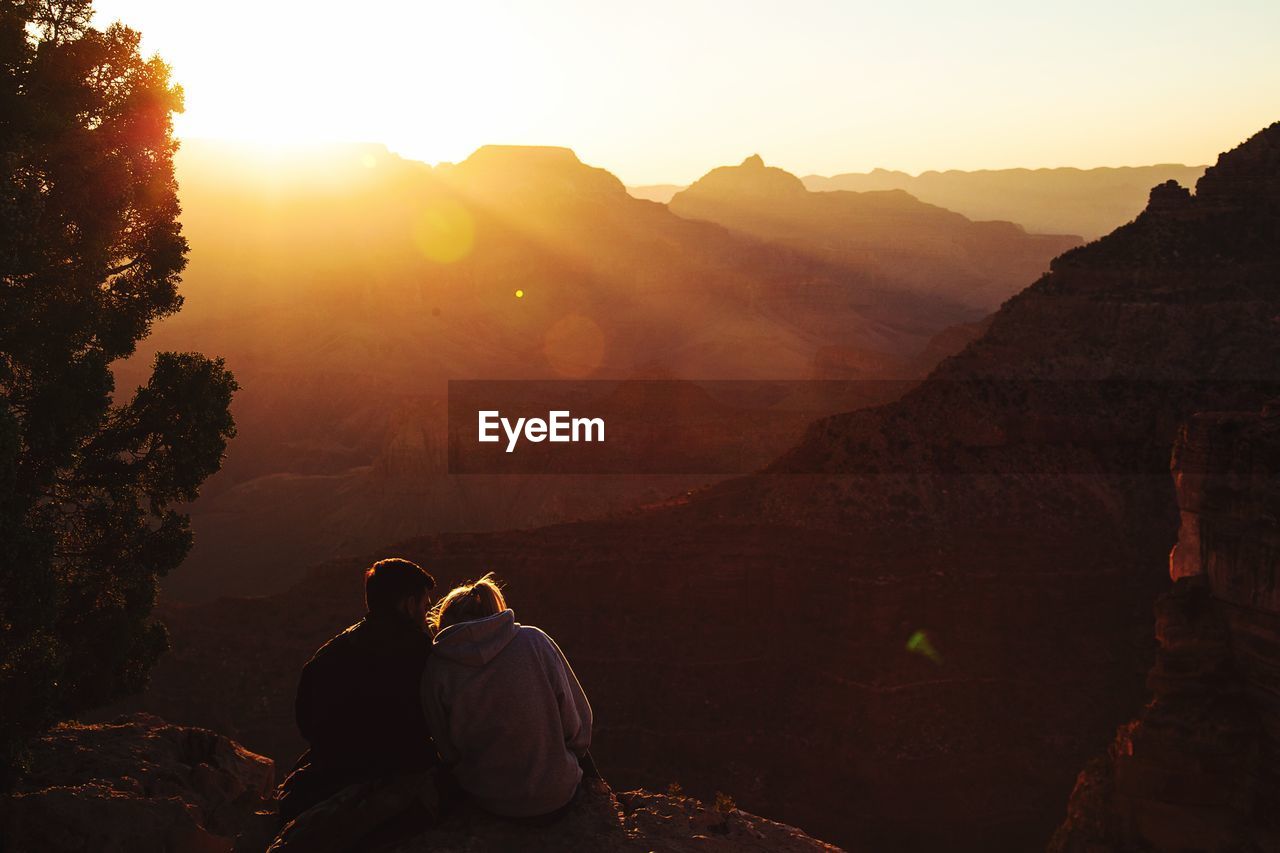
358	704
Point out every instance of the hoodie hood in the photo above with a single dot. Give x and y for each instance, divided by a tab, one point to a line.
477	642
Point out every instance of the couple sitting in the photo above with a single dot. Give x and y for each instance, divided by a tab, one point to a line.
489	706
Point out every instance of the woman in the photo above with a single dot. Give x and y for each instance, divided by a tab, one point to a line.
505	709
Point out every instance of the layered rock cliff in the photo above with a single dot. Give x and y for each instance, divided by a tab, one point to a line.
913	630
1199	768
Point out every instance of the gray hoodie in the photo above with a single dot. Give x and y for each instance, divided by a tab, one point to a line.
507	714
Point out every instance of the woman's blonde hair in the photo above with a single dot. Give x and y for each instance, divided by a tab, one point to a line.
474	600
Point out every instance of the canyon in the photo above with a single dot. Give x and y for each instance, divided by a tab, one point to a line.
754	635
345	286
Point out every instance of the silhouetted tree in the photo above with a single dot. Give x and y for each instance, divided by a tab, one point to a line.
90	256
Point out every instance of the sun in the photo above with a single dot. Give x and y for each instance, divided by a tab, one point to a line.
268	74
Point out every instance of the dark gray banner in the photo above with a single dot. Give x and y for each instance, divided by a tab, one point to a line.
723	427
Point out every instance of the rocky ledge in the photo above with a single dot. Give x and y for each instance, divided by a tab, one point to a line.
601	822
140	785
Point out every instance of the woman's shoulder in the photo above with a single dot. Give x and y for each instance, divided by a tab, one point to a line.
534	636
532	633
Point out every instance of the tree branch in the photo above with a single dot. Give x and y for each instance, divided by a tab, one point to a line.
123	267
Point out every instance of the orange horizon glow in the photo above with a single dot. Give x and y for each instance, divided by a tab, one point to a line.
664	92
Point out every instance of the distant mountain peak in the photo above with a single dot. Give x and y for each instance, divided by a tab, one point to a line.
544	170
885	235
751	178
524	154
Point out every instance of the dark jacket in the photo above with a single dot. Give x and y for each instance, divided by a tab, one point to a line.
358	703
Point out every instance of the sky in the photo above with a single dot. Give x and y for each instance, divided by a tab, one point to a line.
664	90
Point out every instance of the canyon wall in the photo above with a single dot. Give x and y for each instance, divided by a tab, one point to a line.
1199	768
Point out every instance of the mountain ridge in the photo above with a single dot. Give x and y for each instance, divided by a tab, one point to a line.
1051	200
886	233
1055	200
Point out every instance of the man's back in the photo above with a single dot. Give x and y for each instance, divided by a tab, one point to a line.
358	702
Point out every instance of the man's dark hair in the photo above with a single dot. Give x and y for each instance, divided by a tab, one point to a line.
388	582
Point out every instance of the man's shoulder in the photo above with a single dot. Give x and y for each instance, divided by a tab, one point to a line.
337	645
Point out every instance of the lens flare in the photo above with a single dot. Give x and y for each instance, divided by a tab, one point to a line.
444	231
574	346
920	644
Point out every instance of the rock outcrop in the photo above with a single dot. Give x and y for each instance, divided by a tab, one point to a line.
139	785
629	822
601	821
1199	769
757	637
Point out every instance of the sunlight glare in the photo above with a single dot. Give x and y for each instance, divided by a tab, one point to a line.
574	346
444	231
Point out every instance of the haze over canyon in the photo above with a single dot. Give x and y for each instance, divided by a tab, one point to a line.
345	285
754	633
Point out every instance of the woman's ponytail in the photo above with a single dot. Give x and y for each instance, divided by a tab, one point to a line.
467	602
